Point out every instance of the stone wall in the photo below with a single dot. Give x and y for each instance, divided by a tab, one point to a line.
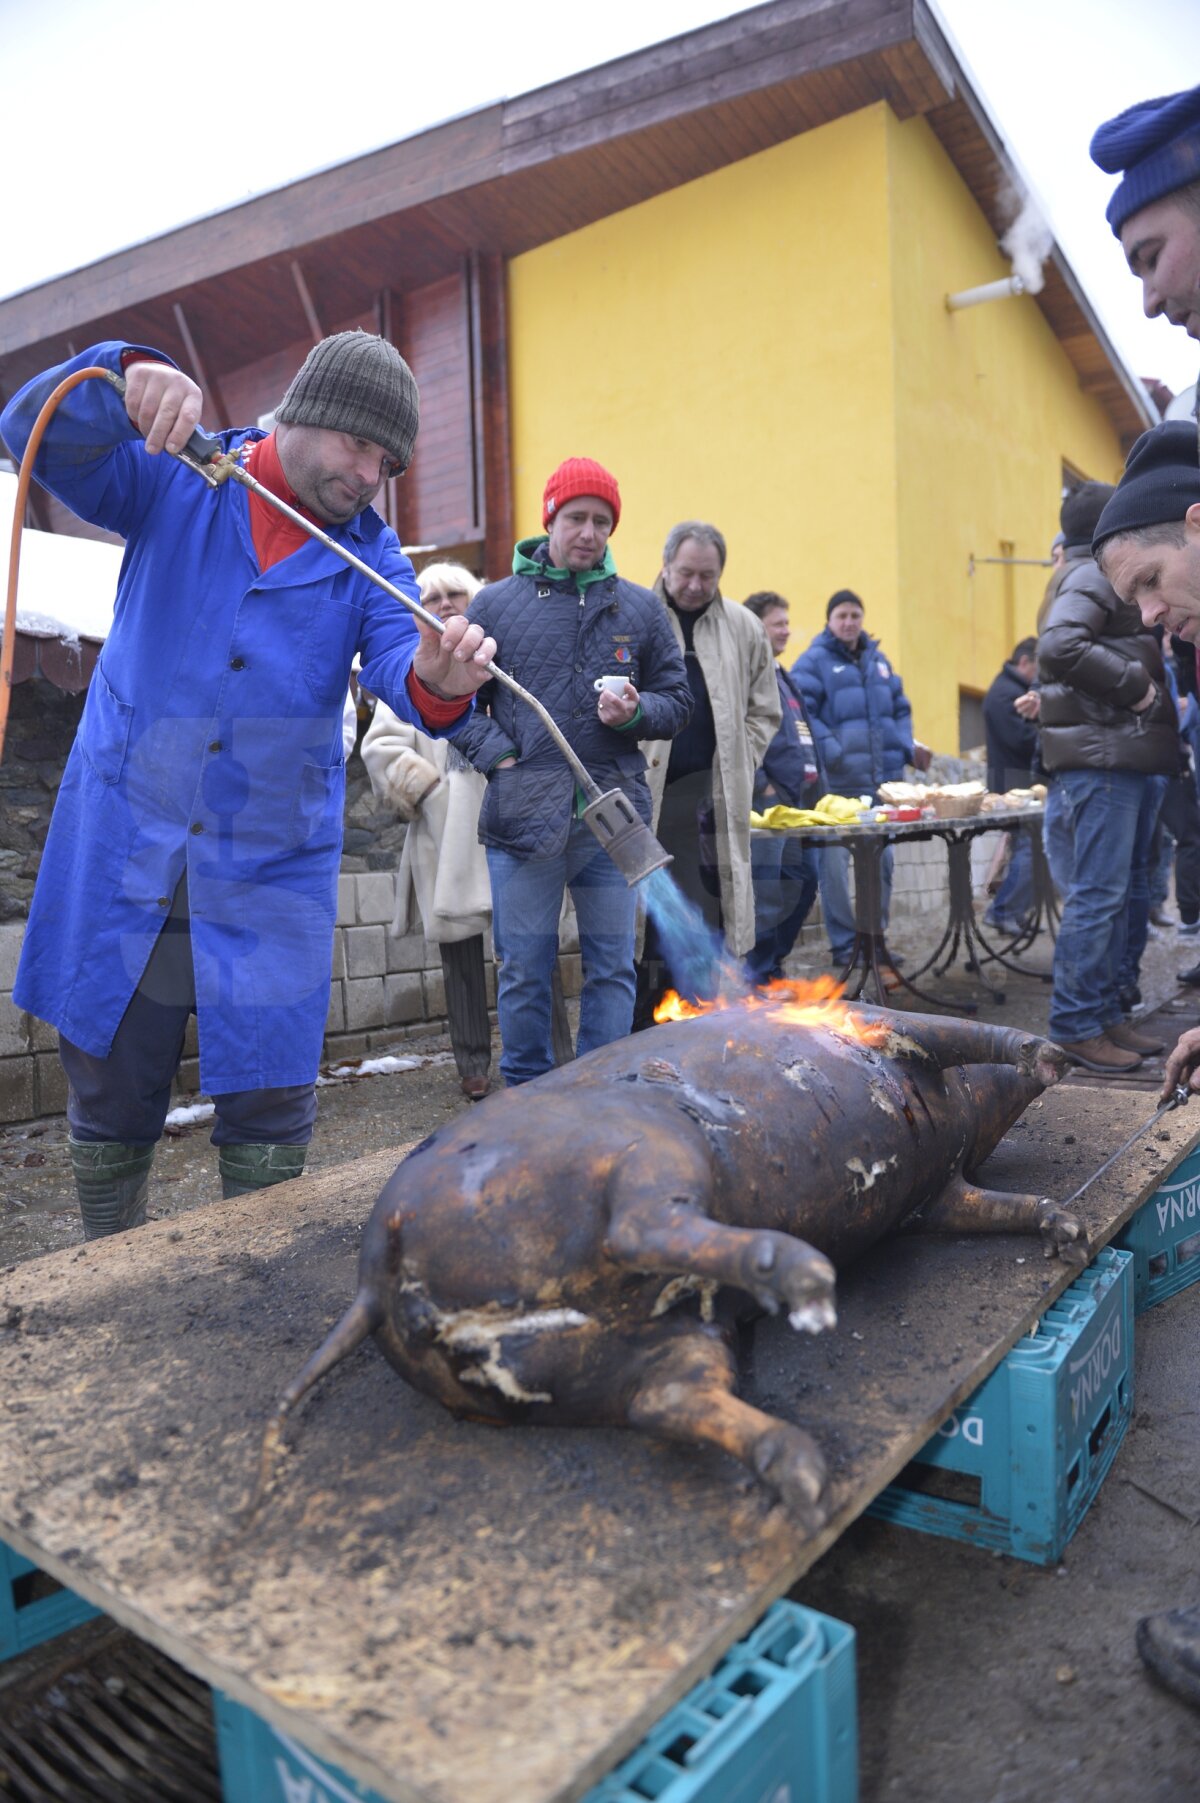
42	722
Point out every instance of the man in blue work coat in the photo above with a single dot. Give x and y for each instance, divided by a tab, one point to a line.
193	854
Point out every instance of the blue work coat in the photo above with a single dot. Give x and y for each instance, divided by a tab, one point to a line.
860	715
210	744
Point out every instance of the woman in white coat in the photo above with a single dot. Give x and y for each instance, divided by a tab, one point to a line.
443	869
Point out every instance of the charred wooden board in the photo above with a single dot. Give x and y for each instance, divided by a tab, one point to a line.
448	1610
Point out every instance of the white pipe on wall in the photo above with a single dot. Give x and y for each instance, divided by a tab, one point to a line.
973	297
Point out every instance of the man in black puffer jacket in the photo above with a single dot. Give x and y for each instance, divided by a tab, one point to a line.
599	654
1109	730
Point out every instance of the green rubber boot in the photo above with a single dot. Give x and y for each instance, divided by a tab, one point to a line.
111	1180
246	1168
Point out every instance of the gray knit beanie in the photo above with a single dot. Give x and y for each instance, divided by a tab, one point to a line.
357	383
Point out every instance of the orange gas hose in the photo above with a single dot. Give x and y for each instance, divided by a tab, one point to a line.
14	553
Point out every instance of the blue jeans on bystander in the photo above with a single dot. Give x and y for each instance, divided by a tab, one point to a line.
1102	809
527	898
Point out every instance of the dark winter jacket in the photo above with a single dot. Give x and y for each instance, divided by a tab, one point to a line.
1095	661
1012	742
859	712
556	634
791	765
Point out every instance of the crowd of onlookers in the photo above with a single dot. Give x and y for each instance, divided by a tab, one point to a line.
674	694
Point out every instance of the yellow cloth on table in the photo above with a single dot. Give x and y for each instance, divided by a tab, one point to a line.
831	810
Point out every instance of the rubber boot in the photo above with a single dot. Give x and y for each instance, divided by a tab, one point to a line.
111	1180
1170	1646
246	1168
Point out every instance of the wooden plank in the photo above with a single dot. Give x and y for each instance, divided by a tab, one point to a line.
451	1611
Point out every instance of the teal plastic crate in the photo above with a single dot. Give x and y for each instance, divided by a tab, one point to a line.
28	1614
1164	1237
1017	1467
776	1723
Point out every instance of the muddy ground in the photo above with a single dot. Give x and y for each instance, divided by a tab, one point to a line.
982	1679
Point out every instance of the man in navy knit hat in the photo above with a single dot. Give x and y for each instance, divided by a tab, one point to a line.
1148	540
1155	211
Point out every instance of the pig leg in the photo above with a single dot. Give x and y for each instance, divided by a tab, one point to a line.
946	1043
686	1393
965	1208
650	1231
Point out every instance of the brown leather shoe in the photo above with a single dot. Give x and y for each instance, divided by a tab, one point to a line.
475	1088
1128	1039
1100	1054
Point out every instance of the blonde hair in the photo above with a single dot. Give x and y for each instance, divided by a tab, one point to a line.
449	578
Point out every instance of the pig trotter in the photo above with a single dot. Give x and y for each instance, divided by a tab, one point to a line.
788	1462
1063	1234
1043	1060
686	1393
777	1269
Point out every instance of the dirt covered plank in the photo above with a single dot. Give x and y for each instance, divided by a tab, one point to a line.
444	1609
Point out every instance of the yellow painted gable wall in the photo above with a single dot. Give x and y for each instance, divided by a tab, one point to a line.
987	406
726	350
768	348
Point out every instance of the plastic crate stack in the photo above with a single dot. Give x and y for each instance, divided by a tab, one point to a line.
33	1607
1034	1443
777	1719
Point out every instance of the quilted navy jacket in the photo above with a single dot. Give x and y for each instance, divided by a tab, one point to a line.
556	640
860	714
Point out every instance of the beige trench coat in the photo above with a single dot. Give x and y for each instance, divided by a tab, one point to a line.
739	671
443	868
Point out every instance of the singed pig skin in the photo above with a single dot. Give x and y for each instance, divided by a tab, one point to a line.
553	1255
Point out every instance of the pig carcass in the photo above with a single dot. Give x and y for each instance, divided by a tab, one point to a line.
555	1256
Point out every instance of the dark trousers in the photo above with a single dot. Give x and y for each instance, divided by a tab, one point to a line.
466	1005
125	1097
685	829
1181	814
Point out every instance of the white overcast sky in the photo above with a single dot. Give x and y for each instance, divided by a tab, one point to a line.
123	118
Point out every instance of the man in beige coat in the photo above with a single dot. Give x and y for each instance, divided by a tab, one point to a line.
702	781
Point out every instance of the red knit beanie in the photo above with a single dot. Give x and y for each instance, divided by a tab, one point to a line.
580	476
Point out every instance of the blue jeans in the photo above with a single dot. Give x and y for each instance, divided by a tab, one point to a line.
785	888
1014	898
1102	807
836	905
1135	919
1056	836
527	898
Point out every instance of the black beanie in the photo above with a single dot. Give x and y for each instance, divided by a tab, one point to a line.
1080	511
1161	481
845	597
357	383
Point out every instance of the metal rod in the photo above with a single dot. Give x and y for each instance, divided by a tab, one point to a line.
1177	1099
586	782
216	470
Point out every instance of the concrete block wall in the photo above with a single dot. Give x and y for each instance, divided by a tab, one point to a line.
385	989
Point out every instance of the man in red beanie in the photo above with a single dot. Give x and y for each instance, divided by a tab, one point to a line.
599	654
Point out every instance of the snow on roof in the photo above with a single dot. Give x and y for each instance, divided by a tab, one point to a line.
67	585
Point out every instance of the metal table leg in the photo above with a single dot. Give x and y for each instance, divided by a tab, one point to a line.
869	956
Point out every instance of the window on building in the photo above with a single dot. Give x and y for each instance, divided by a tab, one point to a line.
971	734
